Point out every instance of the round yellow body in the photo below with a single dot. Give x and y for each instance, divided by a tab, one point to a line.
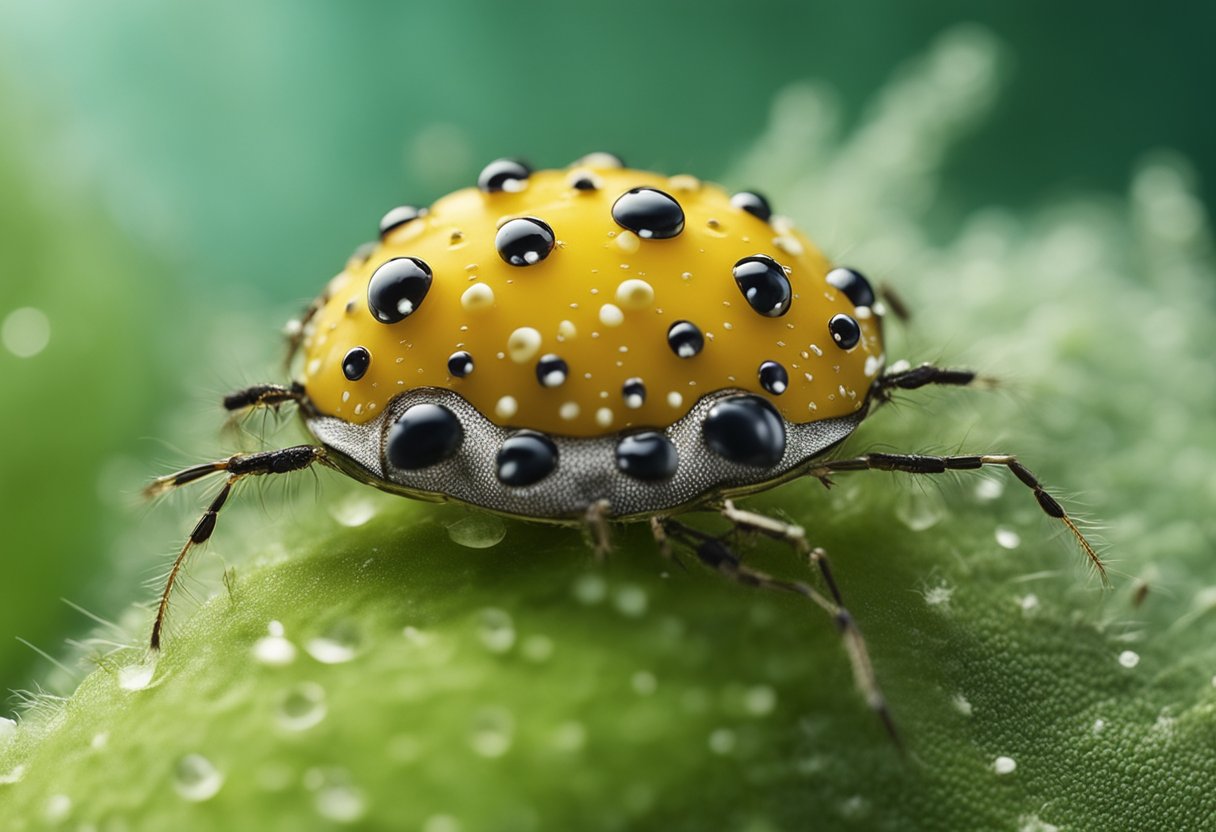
603	300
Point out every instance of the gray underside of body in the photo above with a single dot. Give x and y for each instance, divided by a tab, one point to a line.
586	473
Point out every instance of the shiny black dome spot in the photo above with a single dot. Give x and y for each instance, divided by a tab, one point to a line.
647	456
460	364
524	241
634	393
398	217
398	288
525	457
649	213
424	435
845	331
774	378
745	429
356	362
504	175
685	339
854	285
753	203
764	284
552	370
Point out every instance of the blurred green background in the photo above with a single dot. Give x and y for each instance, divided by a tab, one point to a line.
177	179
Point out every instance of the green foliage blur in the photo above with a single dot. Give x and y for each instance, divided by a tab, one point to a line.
177	179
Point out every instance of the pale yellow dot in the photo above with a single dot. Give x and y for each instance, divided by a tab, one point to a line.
566	331
476	297
523	344
628	242
634	294
611	315
684	182
569	411
674	399
603	417
506	407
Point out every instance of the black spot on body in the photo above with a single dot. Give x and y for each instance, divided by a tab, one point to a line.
854	285
422	436
844	331
460	364
398	217
634	393
397	289
524	241
551	371
764	285
356	362
774	378
649	213
745	429
525	458
753	203
685	339
504	175
647	456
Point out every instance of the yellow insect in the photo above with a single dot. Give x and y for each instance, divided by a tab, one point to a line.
590	345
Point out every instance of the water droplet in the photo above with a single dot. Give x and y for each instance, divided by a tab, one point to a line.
338	644
1004	765
590	588
496	629
492	732
1099	726
920	509
644	683
25	332
336	798
302	707
274	649
478	531
137	676
722	741
760	700
631	601
353	511
1129	659
962	704
987	490
441	823
57	809
537	648
100	740
195	778
1028	603
1007	538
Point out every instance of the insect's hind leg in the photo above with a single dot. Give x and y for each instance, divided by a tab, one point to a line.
924	464
237	467
717	555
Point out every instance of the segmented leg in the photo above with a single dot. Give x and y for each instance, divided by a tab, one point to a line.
237	467
595	526
717	555
923	376
895	302
263	395
922	464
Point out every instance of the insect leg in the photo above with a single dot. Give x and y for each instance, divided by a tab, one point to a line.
237	467
263	395
716	555
922	464
922	376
